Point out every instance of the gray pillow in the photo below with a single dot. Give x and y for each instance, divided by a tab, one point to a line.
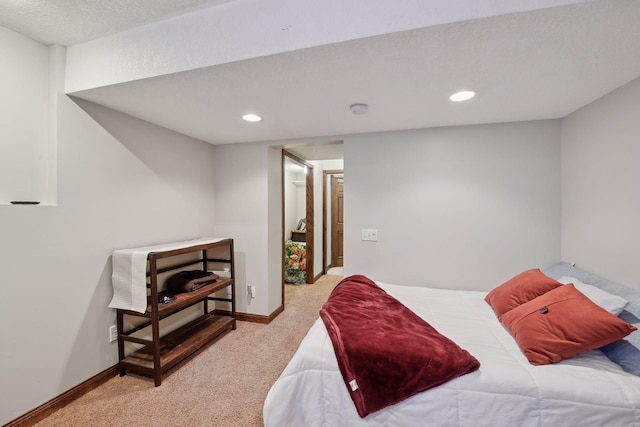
560	269
624	352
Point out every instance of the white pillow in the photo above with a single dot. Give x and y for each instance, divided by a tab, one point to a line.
612	303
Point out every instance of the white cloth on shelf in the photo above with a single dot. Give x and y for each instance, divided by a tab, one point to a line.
129	276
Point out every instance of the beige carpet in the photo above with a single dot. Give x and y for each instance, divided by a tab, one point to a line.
224	385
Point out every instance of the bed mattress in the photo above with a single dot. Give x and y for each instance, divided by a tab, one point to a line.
585	390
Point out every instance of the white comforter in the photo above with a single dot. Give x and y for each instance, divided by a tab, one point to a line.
587	390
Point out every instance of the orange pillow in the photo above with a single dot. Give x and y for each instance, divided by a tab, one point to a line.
562	323
520	289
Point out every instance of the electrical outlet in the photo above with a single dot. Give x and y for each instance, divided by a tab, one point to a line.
113	333
251	291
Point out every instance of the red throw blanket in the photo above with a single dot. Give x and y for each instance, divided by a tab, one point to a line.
386	352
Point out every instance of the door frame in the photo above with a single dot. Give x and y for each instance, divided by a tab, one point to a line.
325	175
309	215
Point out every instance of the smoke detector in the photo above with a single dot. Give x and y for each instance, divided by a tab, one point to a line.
359	108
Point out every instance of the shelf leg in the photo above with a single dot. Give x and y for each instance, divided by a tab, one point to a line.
233	285
157	369
155	321
120	326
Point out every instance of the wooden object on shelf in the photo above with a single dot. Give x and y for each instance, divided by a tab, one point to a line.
161	353
299	235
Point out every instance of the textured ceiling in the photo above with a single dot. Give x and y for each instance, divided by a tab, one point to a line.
526	66
318	151
68	22
532	65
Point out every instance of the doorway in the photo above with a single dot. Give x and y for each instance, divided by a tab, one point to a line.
298	219
333	218
337	220
325	158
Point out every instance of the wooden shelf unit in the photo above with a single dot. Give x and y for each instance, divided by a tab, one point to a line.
163	352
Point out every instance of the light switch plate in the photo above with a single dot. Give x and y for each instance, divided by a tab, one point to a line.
370	234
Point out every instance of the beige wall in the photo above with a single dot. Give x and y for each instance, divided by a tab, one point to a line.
122	183
600	186
249	208
24	115
460	207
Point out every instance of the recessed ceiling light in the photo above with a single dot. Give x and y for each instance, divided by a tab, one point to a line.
252	117
463	95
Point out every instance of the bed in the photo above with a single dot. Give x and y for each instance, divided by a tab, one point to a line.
587	389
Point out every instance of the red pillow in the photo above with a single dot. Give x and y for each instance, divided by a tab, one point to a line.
562	323
520	289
